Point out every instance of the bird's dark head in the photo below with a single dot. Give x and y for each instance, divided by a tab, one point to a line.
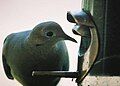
48	32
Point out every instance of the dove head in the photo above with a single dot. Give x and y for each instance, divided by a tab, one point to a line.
48	33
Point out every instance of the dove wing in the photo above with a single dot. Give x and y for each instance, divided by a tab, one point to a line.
5	64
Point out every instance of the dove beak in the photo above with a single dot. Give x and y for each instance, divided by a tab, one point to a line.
70	38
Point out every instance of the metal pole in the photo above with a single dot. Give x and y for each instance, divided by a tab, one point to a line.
65	74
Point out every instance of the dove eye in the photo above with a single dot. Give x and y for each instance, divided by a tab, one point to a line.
49	34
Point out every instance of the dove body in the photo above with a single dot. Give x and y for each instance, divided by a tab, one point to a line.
40	49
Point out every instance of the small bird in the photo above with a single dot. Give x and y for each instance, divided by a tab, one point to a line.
40	49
